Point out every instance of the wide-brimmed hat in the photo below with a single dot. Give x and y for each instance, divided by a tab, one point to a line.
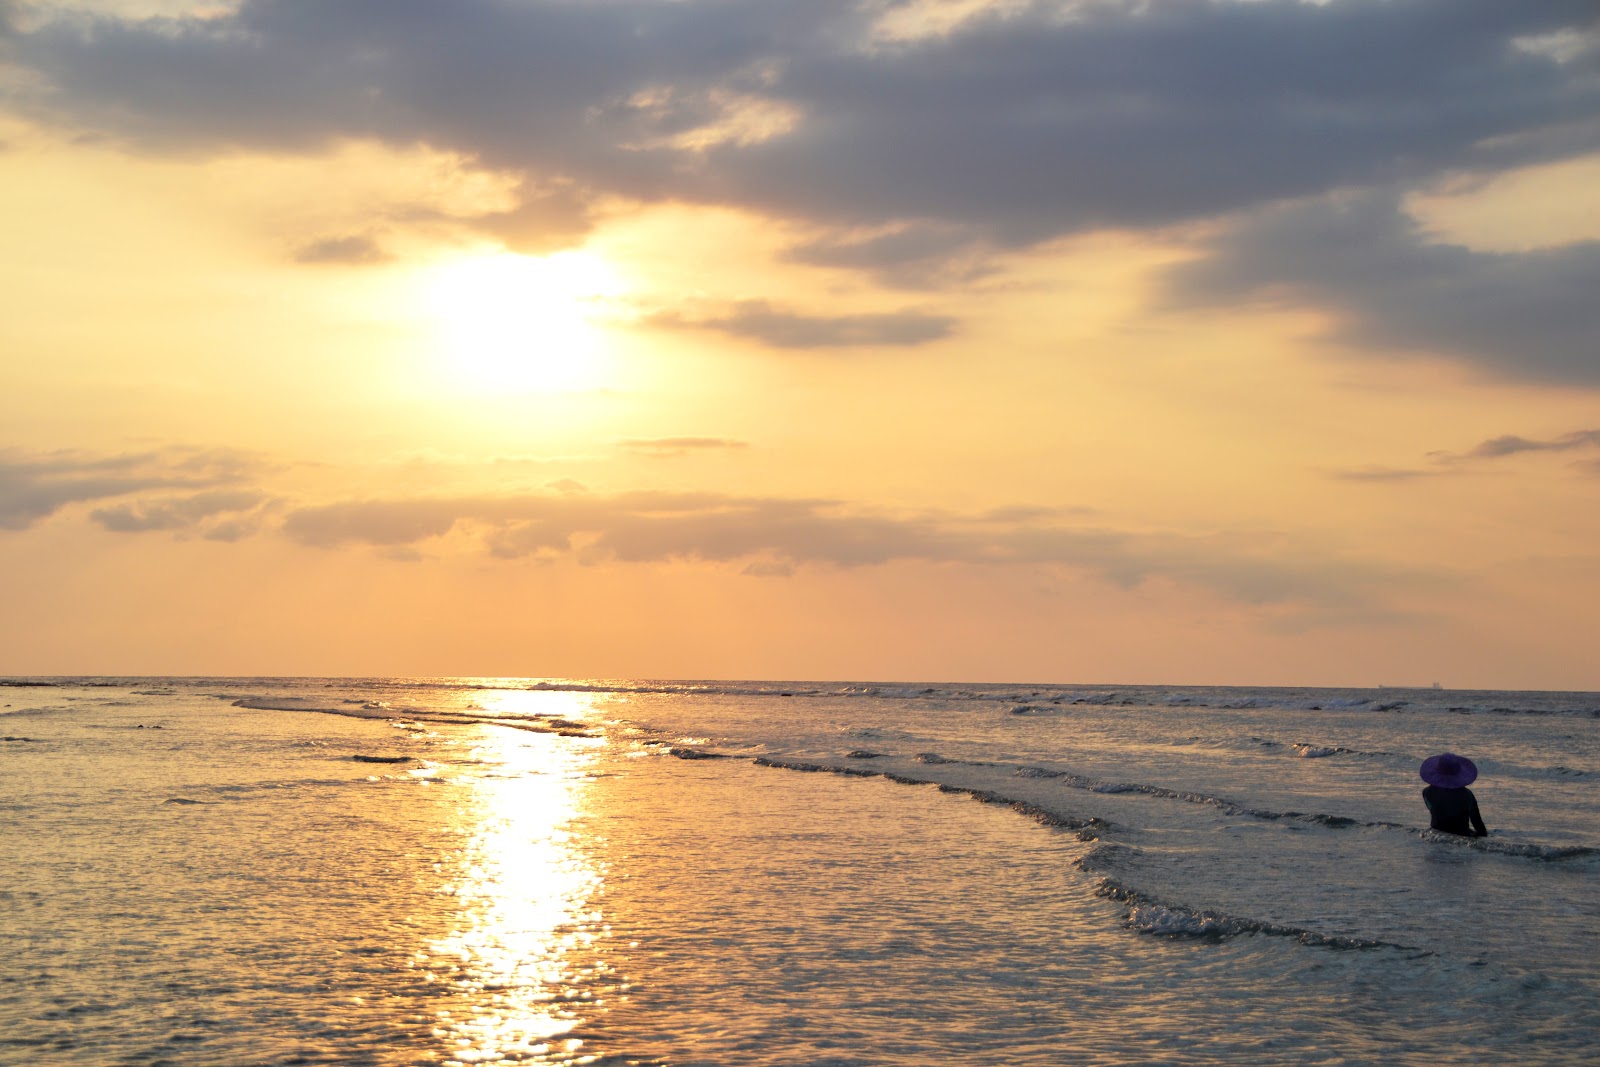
1448	770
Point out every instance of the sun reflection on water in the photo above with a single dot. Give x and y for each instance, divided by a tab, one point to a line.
520	965
537	704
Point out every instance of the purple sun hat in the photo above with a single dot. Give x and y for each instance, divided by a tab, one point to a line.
1448	770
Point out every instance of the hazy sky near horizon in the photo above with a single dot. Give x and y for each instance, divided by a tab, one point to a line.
1246	341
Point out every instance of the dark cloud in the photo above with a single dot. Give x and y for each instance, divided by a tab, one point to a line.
773	537
1015	127
913	255
1528	315
352	250
681	446
1495	448
758	320
1510	445
35	486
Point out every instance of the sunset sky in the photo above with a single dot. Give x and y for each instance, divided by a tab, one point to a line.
1246	341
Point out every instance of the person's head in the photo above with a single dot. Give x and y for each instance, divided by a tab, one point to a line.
1448	770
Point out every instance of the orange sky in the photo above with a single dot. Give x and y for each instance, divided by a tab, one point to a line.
1223	342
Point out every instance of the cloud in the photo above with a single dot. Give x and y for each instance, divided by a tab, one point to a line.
910	255
775	536
230	530
1021	123
760	321
568	485
1511	445
1519	315
1384	474
663	447
183	513
352	250
544	219
1498	448
207	493
1495	448
35	486
398	522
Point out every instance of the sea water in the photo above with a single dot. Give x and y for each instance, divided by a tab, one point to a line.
459	871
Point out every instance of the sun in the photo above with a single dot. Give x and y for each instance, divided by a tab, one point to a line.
515	324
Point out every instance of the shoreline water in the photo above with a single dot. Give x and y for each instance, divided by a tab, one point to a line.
442	873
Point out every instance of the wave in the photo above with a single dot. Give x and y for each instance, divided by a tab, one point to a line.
1590	712
1147	915
411	717
1146	912
243	790
1092	785
1042	700
1323	750
1023	700
1298	749
874	733
1226	806
1518	849
1090	827
685	752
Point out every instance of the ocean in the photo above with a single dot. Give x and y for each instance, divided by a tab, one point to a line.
233	871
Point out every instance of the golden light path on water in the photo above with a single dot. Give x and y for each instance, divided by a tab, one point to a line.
519	964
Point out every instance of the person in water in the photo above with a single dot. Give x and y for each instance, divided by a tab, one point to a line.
1451	805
